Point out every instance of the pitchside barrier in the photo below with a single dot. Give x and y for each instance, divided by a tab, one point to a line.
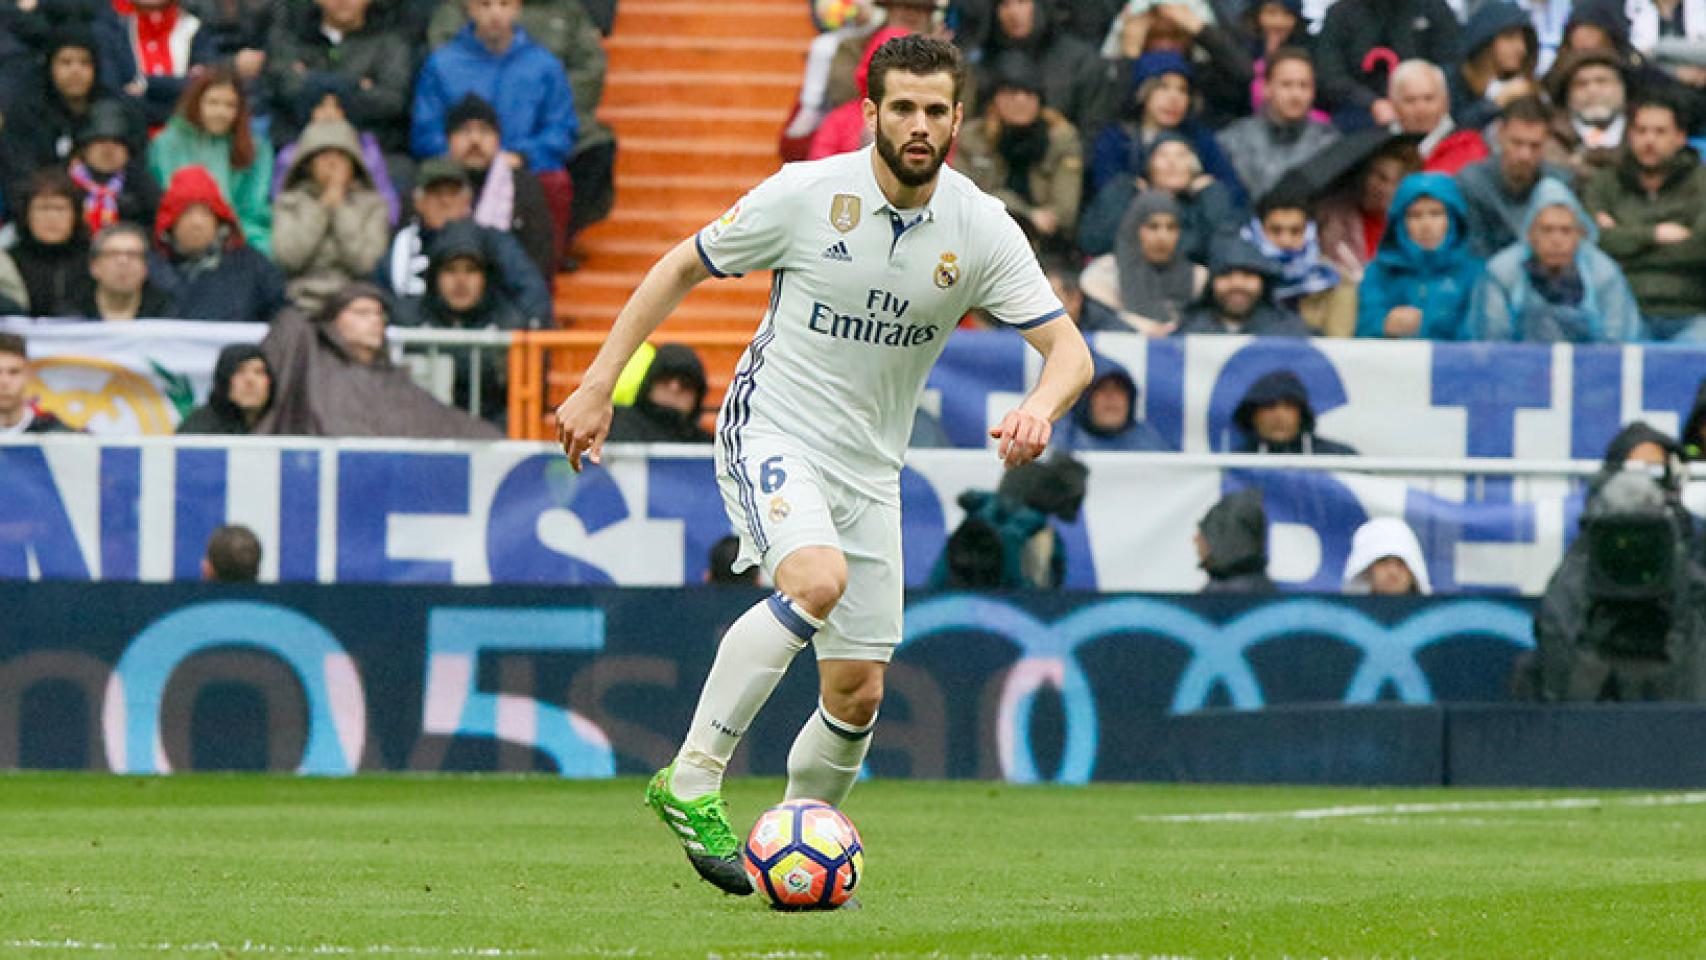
1067	688
140	678
438	512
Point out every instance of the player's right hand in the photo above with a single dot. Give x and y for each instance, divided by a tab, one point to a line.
583	421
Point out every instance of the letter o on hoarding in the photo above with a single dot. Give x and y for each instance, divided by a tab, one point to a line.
337	706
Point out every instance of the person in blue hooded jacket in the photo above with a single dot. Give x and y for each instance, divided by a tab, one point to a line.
1554	284
523	81
1424	273
1105	416
1158	101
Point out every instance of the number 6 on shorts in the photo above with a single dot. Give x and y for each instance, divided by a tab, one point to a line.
771	476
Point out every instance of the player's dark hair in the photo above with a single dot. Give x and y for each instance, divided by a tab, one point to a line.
1528	110
13	344
234	553
918	55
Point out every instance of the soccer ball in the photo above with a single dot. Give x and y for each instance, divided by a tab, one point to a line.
804	855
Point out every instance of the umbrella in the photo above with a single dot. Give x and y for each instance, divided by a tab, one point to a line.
1339	161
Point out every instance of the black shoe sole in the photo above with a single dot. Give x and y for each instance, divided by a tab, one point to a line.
852	903
726	875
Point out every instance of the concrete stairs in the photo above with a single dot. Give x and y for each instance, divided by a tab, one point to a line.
697	94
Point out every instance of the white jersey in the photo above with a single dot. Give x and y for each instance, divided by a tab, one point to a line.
862	300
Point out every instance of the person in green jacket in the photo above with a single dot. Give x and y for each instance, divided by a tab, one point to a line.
1650	206
211	129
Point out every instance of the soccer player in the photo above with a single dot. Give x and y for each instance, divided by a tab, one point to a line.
875	256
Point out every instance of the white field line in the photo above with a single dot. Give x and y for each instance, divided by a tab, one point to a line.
254	947
1690	799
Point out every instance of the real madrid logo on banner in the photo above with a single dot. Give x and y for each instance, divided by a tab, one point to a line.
844	212
947	271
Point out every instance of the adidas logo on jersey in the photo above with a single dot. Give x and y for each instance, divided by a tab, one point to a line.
838	252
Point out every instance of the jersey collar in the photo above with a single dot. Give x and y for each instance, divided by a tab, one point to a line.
873	191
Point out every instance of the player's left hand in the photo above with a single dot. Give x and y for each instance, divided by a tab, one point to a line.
1024	437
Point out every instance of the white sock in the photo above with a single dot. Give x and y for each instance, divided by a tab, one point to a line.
750	662
826	758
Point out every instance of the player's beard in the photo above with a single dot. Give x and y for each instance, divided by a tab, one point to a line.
910	176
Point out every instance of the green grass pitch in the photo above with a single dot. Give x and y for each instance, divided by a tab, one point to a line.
94	866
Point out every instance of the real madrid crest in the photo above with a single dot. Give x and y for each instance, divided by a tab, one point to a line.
779	509
947	271
844	212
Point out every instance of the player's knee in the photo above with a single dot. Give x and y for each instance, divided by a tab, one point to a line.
856	703
817	586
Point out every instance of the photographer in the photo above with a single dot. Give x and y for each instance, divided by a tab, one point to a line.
1624	616
1006	541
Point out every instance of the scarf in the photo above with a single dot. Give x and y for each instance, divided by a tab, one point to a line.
206	261
1302	272
1023	148
1564	289
100	197
1155	291
496	208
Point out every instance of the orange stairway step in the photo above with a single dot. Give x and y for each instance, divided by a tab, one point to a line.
702	53
588	287
700	190
705	123
674	18
689	90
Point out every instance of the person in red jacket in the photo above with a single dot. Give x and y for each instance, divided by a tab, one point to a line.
843	130
202	261
1422	102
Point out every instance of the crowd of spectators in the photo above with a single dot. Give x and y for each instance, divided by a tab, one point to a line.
268	160
1438	169
272	152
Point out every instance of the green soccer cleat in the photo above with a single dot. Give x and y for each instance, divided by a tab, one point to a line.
702	827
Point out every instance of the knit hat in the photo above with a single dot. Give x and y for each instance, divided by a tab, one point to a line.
468	109
1157	63
108	120
1015	71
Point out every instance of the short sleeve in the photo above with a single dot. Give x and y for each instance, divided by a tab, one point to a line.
1014	290
752	235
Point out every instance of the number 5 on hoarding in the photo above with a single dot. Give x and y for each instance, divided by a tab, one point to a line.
454	705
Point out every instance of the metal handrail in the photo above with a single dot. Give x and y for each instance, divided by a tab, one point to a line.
527	388
431	341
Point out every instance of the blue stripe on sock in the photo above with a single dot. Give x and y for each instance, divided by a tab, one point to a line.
785	613
836	728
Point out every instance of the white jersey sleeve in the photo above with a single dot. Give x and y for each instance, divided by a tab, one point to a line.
754	234
1013	289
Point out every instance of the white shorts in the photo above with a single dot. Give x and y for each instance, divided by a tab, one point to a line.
778	502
